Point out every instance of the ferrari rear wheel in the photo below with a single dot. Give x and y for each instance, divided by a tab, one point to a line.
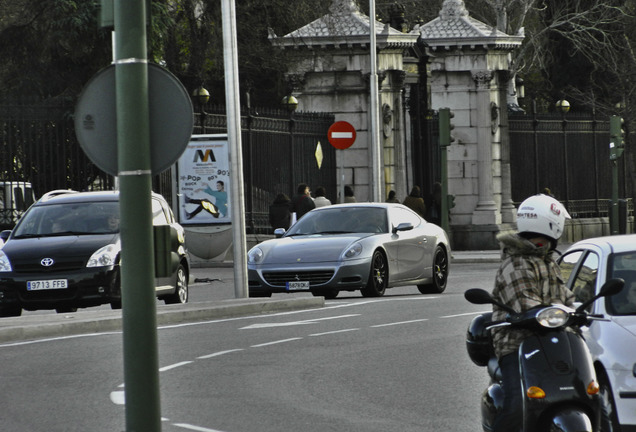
378	277
440	273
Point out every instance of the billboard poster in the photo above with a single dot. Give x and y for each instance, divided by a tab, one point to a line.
204	181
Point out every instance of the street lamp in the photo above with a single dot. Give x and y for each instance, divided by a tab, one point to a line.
521	89
201	96
562	105
290	103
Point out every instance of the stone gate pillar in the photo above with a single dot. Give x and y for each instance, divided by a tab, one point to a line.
486	211
332	74
469	63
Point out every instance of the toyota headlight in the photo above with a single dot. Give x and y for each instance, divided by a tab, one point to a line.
104	257
5	264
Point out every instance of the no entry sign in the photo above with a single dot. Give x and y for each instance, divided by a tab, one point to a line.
341	135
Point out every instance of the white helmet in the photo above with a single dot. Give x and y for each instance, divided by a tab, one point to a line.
543	215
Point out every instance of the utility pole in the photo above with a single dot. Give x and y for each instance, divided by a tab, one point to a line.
617	146
139	321
445	139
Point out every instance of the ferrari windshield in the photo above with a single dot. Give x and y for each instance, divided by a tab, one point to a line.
339	220
70	219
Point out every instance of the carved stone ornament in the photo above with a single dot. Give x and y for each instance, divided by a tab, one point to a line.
387	120
453	9
494	117
343	7
482	78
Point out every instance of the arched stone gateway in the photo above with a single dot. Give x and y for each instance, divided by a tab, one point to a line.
468	65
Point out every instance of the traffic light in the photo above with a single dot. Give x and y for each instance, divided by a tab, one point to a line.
617	137
445	127
166	246
451	201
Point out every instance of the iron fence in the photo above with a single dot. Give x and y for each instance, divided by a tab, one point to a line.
567	153
38	145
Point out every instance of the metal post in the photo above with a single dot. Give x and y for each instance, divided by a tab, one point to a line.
616	151
141	365
232	100
565	160
614	208
376	144
445	139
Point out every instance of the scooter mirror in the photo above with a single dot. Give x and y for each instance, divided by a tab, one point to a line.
612	287
478	296
609	288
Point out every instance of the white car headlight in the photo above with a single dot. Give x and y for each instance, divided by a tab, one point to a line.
353	251
104	257
254	256
553	317
5	264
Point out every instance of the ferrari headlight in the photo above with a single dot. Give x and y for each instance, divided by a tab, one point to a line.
353	251
255	255
104	257
553	317
5	264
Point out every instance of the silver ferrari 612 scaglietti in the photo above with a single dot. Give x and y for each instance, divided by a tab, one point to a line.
347	247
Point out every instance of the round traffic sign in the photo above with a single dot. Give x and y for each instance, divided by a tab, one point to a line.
171	119
341	135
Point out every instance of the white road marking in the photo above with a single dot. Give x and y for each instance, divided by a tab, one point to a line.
194	428
293	323
216	354
173	366
118	397
275	342
464	314
399	323
334	332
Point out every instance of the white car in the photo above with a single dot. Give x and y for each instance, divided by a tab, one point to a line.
586	265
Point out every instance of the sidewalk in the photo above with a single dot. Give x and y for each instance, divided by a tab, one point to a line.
30	327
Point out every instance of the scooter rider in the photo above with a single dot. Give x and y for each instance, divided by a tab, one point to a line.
527	277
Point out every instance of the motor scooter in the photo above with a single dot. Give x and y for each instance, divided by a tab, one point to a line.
560	389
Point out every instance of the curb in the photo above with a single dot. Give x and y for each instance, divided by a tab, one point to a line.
81	323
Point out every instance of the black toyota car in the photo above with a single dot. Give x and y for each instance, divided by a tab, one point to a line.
64	254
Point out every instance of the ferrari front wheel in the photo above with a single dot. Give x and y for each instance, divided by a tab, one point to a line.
378	276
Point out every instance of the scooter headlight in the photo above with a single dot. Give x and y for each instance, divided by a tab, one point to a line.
552	317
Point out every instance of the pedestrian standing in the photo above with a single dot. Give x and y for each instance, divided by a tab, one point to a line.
392	198
415	201
302	201
320	199
349	196
280	212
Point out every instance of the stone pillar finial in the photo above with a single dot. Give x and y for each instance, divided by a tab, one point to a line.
343	7
453	9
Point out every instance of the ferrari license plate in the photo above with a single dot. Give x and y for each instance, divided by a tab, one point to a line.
47	284
297	285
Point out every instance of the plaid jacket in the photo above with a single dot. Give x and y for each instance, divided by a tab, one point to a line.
528	277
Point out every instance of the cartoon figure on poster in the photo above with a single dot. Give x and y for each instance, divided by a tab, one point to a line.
204	183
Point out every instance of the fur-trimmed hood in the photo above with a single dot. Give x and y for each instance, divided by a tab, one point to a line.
512	245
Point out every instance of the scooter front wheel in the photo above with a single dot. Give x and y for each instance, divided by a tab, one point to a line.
570	420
